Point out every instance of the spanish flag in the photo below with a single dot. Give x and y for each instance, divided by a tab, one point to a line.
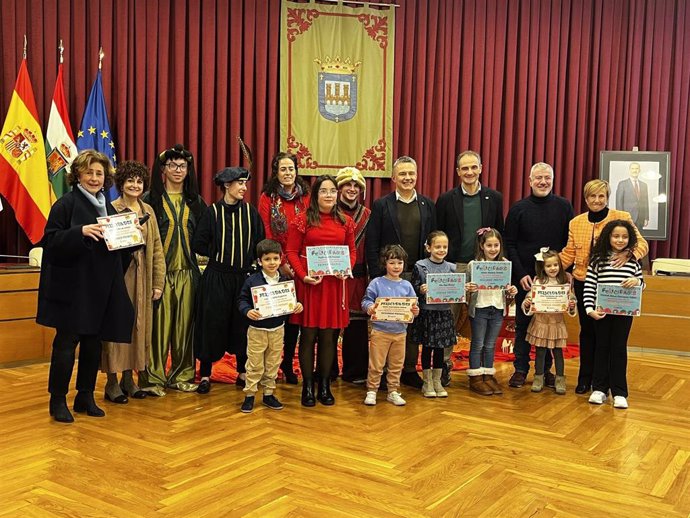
23	171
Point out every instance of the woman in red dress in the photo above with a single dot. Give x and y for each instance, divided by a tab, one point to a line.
325	298
285	196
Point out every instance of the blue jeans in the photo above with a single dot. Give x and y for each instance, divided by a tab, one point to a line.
486	324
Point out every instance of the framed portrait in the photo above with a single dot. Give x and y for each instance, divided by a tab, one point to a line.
639	185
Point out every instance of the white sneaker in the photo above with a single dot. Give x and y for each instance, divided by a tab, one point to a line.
371	398
395	398
597	397
620	402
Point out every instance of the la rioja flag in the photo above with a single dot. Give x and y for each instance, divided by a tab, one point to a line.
60	147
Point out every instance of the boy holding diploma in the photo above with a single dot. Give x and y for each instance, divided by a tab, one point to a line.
265	335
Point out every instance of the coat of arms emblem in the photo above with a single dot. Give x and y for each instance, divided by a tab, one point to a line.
337	89
19	143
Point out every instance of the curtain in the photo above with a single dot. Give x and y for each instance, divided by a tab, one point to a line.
519	81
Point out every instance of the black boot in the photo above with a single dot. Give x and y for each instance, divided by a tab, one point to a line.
59	410
84	402
325	395
308	398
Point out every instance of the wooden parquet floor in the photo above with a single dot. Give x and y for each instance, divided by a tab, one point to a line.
520	454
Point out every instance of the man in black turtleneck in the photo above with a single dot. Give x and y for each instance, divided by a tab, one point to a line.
541	219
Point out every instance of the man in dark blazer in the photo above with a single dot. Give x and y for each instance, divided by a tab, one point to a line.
632	195
402	217
460	212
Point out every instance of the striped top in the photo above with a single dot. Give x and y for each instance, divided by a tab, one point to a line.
607	274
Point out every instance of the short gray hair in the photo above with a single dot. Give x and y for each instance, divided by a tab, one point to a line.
468	152
541	166
404	160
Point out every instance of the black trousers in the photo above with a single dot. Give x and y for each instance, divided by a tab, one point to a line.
611	355
356	350
289	346
62	362
587	338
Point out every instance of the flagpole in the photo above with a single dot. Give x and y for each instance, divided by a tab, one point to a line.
101	55
25	45
61	49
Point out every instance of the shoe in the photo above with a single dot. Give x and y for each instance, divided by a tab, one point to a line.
272	402
445	375
370	400
549	380
383	384
120	400
247	404
308	398
620	402
538	383
560	385
478	386
395	398
325	396
597	398
411	379
582	389
239	382
84	402
491	381
138	394
204	387
428	387
129	388
290	378
438	386
58	409
517	380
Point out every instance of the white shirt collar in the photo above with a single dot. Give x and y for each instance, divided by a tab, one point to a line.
398	198
479	188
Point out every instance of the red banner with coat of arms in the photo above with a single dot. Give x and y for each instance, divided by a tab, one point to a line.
337	87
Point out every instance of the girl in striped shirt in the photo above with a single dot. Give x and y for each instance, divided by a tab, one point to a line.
611	331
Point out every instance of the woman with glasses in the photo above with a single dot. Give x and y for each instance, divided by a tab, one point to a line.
324	298
177	205
285	196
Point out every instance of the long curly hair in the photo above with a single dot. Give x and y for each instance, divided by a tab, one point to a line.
273	185
602	248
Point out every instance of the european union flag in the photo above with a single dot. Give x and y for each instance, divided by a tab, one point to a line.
94	132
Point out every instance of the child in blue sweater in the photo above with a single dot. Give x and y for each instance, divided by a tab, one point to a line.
265	335
387	340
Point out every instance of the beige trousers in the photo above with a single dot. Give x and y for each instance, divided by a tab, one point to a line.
264	351
385	350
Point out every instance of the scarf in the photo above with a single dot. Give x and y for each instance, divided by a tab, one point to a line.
279	223
97	201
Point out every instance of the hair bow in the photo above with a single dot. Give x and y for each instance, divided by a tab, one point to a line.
540	256
483	230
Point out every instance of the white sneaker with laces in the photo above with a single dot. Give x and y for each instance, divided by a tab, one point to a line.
395	398
620	402
370	400
597	397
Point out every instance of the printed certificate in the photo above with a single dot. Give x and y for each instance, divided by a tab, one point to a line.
491	275
328	260
551	298
394	309
445	288
617	300
274	300
120	230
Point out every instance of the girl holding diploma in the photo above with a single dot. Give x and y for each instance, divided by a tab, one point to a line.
611	331
548	330
486	309
324	298
434	328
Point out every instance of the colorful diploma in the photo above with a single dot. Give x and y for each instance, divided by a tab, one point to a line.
445	288
614	299
491	275
328	260
551	298
394	309
274	300
120	230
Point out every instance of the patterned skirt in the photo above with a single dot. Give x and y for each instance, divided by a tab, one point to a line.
434	329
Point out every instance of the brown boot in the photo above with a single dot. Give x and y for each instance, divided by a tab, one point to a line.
491	381
477	385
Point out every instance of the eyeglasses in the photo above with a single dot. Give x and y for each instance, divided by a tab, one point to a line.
176	167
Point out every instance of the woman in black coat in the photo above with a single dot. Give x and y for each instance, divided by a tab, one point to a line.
82	292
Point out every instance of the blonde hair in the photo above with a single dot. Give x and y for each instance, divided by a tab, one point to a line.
595	186
82	163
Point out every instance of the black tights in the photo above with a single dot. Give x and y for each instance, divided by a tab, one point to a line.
427	357
557	359
326	351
